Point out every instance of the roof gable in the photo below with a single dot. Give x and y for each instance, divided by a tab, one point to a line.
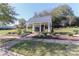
40	19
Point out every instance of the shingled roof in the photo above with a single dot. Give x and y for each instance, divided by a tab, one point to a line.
39	19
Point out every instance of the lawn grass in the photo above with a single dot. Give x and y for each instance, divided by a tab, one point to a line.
34	48
67	29
3	32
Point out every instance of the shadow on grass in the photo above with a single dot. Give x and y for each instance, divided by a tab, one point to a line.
31	48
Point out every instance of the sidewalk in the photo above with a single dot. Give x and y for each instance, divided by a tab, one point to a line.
4	48
4	52
9	44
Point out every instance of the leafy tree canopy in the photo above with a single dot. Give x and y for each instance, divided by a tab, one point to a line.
7	13
62	10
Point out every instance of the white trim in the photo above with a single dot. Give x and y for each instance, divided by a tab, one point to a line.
40	27
49	30
33	28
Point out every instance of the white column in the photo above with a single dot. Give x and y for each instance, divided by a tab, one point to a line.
49	29
44	26
40	27
33	28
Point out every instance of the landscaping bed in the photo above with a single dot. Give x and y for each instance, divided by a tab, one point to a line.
42	37
34	48
57	37
66	37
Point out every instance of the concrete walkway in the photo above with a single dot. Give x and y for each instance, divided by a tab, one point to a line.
4	52
4	48
9	44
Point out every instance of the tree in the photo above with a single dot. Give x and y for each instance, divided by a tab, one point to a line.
22	23
41	14
46	13
35	15
71	20
7	13
21	26
61	11
77	21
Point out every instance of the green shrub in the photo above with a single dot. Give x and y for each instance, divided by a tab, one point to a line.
75	31
19	32
70	34
45	34
24	30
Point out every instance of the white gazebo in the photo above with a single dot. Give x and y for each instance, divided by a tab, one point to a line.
39	22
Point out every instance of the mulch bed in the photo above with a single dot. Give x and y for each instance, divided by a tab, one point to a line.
59	37
66	37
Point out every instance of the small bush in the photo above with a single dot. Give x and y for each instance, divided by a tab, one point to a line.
13	32
19	32
9	32
70	34
75	31
24	31
44	33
